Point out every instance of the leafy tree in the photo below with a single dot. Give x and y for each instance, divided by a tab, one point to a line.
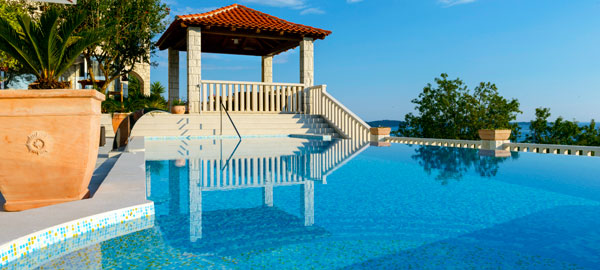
46	46
10	10
132	25
136	100
450	111
561	131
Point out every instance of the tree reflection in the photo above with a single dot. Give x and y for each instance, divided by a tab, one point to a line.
452	163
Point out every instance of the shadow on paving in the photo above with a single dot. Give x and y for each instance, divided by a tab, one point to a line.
565	237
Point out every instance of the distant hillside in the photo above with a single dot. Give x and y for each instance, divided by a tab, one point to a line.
385	123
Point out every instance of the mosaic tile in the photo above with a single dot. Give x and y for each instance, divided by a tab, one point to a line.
31	250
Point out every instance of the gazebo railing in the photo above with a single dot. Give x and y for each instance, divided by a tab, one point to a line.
252	96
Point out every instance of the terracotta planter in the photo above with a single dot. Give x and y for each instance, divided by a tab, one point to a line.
494	134
120	122
49	145
380	131
179	109
117	119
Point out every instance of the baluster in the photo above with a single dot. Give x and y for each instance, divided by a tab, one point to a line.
277	98
242	98
218	97
289	99
291	96
261	90
236	98
271	99
229	97
203	95
248	98
282	97
210	97
254	97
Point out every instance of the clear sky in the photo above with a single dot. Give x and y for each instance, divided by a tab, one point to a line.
382	53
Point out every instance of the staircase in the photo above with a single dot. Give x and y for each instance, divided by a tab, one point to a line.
248	124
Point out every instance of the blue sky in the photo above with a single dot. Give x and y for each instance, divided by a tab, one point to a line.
382	53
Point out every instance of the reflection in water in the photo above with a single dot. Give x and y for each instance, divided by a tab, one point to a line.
452	163
224	166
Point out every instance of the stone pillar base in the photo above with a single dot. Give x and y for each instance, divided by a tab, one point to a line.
493	145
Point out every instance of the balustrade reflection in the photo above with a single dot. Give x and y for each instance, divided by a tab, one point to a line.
225	165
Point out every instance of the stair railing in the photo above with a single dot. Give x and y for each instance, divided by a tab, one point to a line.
223	108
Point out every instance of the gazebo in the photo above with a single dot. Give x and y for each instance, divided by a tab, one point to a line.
240	30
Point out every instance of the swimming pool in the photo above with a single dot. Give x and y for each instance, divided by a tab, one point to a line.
286	203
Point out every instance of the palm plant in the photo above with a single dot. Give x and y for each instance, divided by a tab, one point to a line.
47	46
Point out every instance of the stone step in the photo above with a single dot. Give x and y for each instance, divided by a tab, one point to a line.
227	132
198	126
236	119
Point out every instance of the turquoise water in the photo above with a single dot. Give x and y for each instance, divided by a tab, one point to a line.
341	205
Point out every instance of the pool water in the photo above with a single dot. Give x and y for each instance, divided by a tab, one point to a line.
283	203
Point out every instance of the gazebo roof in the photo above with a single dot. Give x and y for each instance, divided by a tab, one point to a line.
237	29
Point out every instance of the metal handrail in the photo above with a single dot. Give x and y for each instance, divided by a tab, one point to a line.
230	120
236	131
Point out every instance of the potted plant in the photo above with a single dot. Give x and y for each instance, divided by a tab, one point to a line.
178	106
385	131
494	134
49	135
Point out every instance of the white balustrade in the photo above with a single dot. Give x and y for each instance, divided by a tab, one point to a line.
576	150
436	142
341	118
251	96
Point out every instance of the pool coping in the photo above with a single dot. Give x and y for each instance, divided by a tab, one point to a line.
122	195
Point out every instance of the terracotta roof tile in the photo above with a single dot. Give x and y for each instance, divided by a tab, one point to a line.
247	18
240	16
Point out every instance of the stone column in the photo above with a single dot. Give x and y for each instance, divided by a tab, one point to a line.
307	76
195	193
308	202
307	62
268	191
173	75
267	68
194	71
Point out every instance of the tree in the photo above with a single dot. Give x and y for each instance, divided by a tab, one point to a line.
132	26
10	11
449	111
561	131
46	46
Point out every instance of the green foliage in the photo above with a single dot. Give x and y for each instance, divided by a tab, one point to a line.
136	100
561	131
178	102
46	46
132	26
450	111
10	10
157	89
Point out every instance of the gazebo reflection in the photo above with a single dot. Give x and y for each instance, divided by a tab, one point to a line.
247	166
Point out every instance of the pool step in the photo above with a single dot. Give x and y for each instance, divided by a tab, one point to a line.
213	124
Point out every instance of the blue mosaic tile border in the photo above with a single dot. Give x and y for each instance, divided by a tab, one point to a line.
31	250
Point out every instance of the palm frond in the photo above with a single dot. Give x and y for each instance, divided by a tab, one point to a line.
14	44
